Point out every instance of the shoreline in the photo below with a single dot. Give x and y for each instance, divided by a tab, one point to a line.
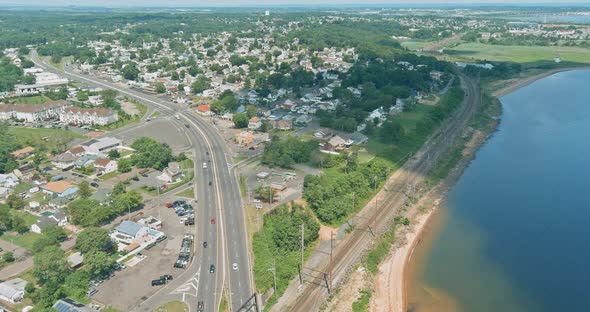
397	262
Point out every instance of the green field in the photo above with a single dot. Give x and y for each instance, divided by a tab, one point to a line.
53	139
26	240
37	99
173	306
519	54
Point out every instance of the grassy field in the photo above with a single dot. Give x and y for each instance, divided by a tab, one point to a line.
414	45
189	193
54	138
173	306
519	54
26	240
37	99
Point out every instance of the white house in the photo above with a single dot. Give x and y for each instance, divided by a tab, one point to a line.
13	290
57	218
105	165
129	232
9	180
171	173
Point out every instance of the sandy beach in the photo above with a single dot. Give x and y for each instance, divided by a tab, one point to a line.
391	285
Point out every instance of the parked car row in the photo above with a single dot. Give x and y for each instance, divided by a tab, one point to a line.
96	282
185	252
183	209
162	280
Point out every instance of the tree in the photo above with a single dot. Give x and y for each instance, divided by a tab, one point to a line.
50	266
114	154
265	193
240	120
201	84
124	165
151	154
160	87
84	189
119	188
15	201
82	96
98	263
8	256
109	98
130	71
94	239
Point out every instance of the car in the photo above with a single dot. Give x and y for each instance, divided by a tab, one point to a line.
252	148
158	282
234	266
210	183
168	205
187	125
135	178
204	165
93	184
258	206
204	244
212	268
166	277
164	187
145	175
189	221
200	306
212	220
257	201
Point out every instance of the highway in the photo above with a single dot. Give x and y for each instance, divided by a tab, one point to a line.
227	238
348	252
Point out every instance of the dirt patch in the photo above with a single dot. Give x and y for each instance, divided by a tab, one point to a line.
359	280
326	232
129	108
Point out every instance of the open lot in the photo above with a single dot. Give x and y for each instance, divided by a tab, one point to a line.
132	285
52	138
519	54
161	130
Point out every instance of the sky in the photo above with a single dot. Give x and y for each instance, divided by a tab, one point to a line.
212	3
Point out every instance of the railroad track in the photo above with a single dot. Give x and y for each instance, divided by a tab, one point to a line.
349	252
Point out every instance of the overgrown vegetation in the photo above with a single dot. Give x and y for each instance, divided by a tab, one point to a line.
362	303
286	153
277	246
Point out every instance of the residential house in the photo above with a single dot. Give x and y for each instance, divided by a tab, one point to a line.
171	173
69	305
129	232
204	109
254	123
337	142
59	202
32	112
56	218
23	152
75	260
303	120
105	165
60	189
13	291
25	172
85	160
76	151
64	161
88	116
9	180
283	124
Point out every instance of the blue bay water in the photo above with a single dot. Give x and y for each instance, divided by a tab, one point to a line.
517	235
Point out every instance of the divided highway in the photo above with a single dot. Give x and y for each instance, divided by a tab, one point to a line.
227	238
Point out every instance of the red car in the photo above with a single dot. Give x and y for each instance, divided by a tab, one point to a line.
212	220
168	205
164	187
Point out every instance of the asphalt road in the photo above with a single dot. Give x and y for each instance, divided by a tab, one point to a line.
227	238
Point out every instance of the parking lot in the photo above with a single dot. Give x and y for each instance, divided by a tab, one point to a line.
132	285
161	130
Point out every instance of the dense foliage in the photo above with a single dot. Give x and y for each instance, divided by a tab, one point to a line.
151	154
89	212
286	153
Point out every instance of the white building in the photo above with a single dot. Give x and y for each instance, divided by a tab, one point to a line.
102	145
13	290
88	116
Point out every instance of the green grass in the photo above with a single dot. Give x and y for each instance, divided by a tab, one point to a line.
362	303
122	123
36	99
56	139
379	250
23	187
519	54
29	218
155	114
189	193
414	45
109	175
26	240
173	306
243	186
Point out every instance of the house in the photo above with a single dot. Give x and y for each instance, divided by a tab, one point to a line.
69	305
254	123
9	180
283	124
76	151
13	290
171	173
337	142
102	145
75	260
105	165
303	120
58	202
32	112
56	218
64	161
204	109
129	232
85	160
23	152
60	189
25	172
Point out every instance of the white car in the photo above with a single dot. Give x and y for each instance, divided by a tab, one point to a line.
235	266
204	165
257	201
258	206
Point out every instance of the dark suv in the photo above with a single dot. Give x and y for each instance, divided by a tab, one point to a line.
158	282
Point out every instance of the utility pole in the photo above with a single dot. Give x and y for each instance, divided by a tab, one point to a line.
302	242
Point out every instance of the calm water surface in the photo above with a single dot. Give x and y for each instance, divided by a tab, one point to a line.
516	233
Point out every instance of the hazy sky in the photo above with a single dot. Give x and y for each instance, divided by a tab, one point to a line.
262	2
